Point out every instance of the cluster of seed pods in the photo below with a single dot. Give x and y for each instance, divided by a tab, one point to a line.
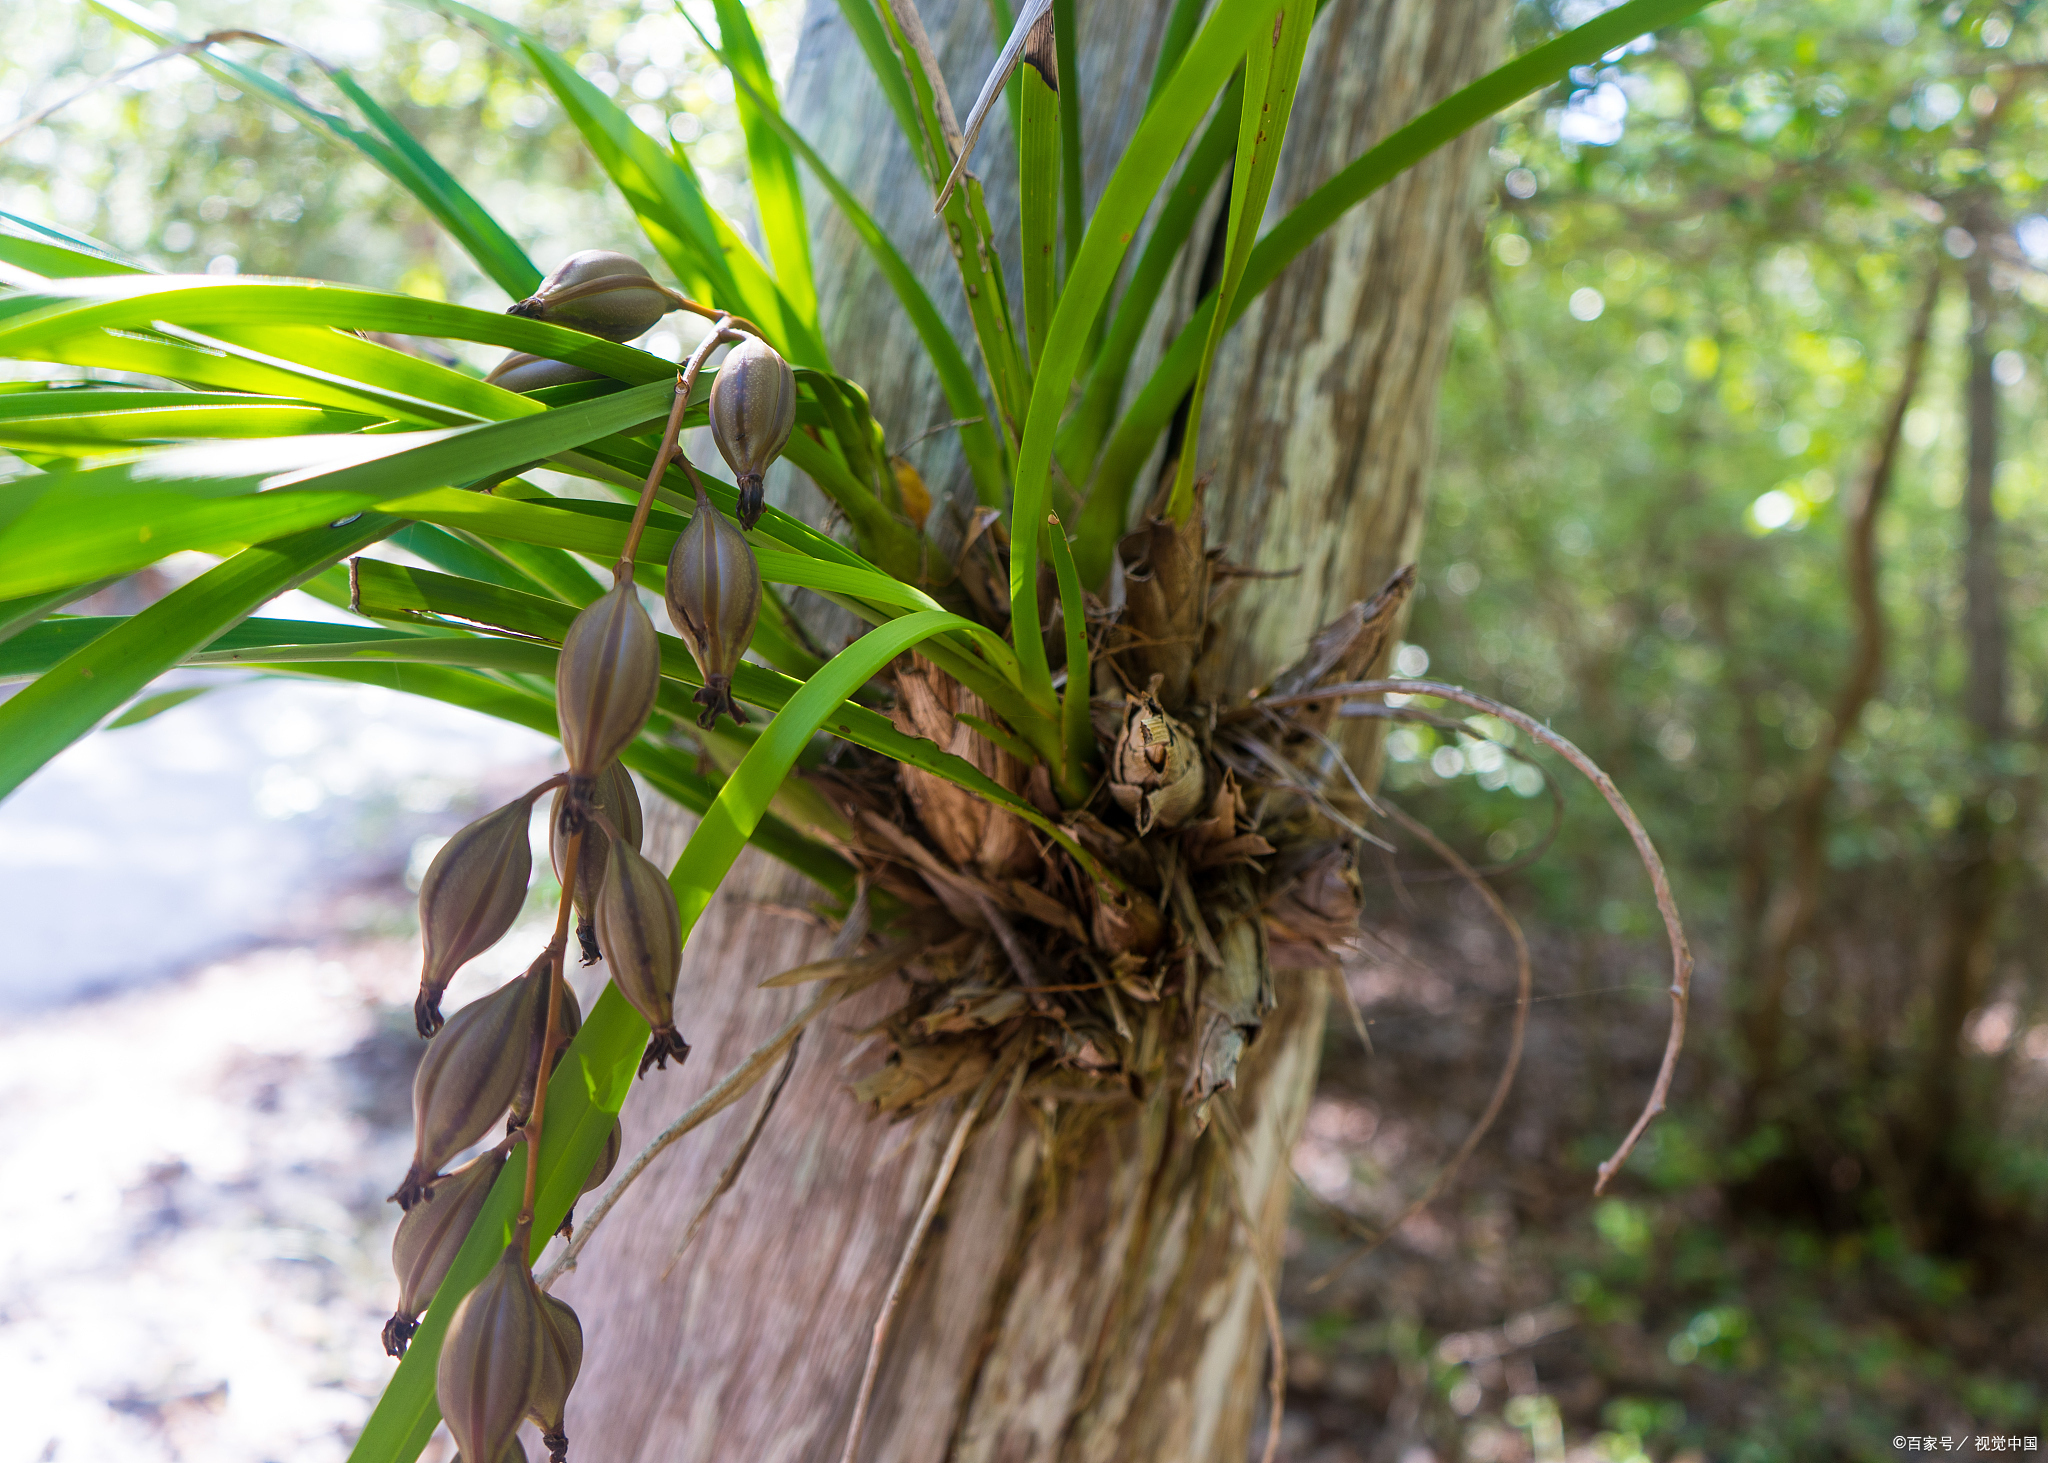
511	1352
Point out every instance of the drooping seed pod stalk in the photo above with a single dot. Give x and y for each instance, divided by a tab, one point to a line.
606	679
491	1360
753	409
642	934
561	1359
469	898
470	1074
522	372
615	797
428	1238
600	293
714	597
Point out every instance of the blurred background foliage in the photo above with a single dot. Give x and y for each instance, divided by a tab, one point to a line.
1696	301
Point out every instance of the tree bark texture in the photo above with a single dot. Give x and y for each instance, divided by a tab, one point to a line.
1090	1288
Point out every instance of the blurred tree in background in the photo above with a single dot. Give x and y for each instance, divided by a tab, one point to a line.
1741	484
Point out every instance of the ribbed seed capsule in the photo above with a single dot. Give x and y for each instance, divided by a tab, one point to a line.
600	293
561	1359
642	933
606	679
469	1076
753	408
614	796
428	1238
522	372
569	1022
491	1358
714	596
469	898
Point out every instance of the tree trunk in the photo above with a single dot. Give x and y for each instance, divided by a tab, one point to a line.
1090	1288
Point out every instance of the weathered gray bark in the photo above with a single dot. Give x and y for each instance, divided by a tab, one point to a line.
1089	1291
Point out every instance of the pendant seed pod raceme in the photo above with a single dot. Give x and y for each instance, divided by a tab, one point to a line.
618	800
492	1357
469	898
714	597
469	1076
428	1238
561	1360
599	293
606	679
642	934
753	409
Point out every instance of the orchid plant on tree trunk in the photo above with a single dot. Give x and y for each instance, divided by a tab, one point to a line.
1017	789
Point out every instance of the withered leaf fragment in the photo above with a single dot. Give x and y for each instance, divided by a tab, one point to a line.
714	597
642	934
428	1238
469	1076
614	796
561	1360
1156	775
469	898
492	1358
753	408
606	679
599	293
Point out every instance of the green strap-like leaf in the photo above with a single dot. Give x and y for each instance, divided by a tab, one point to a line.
778	192
390	147
1155	404
1272	72
76	694
1080	436
1038	186
58	253
70	527
1129	193
980	442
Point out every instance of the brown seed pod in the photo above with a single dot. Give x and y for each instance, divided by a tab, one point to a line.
599	293
522	372
753	408
561	1360
428	1238
606	679
469	898
1156	775
642	934
569	1022
614	796
1127	921
714	597
492	1357
469	1076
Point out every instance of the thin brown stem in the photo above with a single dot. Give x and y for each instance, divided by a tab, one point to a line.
550	1033
723	1094
1660	882
950	1160
686	382
730	1175
1523	982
